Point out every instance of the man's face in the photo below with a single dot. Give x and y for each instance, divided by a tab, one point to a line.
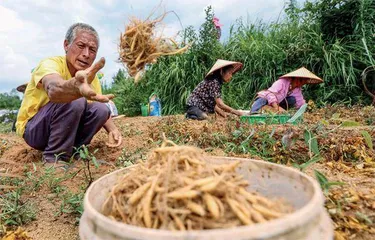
81	53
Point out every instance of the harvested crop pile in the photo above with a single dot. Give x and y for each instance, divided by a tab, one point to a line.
139	45
19	234
177	189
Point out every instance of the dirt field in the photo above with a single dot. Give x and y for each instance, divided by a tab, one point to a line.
343	153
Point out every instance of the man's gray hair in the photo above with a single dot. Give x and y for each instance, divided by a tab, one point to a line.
72	32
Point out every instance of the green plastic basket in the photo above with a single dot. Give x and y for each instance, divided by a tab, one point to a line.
266	119
276	118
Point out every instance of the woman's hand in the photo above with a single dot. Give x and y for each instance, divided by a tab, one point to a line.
277	108
238	113
220	112
114	138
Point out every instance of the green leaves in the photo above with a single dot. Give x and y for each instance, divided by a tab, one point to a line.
349	123
325	184
14	210
311	141
298	114
303	166
72	203
10	100
368	139
88	157
337	52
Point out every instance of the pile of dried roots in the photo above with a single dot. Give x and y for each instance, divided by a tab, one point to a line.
139	45
177	189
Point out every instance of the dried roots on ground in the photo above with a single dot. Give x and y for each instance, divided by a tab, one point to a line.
139	45
19	234
177	189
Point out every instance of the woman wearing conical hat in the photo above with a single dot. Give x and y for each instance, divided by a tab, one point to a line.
286	92
206	97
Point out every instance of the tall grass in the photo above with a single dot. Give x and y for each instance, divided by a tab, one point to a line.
267	52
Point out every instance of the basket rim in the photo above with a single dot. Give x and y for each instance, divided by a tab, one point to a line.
312	209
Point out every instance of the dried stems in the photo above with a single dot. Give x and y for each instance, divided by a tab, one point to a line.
140	46
177	189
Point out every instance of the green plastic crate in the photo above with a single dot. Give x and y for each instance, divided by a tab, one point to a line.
268	119
276	118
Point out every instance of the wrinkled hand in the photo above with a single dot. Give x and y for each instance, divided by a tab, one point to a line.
114	138
84	79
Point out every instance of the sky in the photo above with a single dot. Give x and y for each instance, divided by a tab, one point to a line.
31	30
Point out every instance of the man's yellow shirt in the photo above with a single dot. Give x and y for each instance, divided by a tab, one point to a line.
36	97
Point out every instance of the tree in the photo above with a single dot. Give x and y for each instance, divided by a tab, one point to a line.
119	77
10	100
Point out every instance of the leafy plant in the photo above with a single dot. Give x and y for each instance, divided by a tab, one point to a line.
127	159
255	142
88	158
311	142
51	180
72	203
325	184
304	165
14	211
368	139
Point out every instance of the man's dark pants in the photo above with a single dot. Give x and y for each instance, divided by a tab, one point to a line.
59	127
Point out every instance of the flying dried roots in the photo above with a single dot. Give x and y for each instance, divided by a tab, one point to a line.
140	46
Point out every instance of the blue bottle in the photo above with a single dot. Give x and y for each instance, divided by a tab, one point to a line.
154	105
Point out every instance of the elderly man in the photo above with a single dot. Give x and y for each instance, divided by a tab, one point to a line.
63	106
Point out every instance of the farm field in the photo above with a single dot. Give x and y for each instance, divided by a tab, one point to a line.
46	202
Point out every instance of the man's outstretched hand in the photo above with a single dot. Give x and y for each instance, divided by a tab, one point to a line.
84	79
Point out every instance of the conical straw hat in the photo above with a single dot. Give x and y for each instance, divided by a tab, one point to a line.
223	63
302	72
22	88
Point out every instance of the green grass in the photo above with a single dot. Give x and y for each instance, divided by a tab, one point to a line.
15	211
267	50
5	127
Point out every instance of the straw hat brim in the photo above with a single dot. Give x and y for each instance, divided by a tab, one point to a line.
22	88
302	72
223	63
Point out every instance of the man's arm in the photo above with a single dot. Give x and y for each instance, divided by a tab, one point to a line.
59	90
63	91
110	126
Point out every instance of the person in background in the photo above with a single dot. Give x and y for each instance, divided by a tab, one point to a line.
217	26
206	97
21	88
63	106
110	104
286	92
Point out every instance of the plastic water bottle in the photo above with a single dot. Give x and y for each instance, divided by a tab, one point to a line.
154	105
